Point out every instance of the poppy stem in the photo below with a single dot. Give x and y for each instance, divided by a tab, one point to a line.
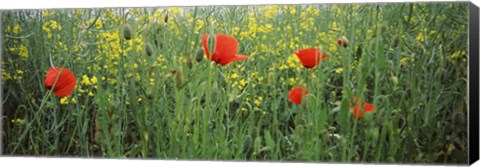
51	61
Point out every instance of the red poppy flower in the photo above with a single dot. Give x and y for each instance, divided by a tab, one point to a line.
339	41
295	95
65	83
225	52
310	57
367	107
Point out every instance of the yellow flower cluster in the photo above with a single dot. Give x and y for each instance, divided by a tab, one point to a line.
49	26
67	100
22	51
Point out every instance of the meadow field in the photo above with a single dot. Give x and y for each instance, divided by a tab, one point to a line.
358	83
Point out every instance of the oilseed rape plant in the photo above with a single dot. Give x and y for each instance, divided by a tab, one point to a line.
320	82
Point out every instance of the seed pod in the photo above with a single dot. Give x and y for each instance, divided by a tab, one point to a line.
127	32
180	80
149	49
199	56
189	62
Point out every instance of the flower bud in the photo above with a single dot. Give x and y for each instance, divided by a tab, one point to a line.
396	40
149	49
374	133
180	80
127	32
199	56
189	62
342	41
394	79
247	144
166	18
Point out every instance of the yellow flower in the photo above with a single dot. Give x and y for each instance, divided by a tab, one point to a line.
85	80
64	100
339	70
90	94
17	121
16	28
257	102
420	37
234	75
93	80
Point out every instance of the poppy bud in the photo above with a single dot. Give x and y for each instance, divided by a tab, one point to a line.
199	56
394	79
127	32
374	133
179	77
342	41
247	144
257	143
189	62
395	42
149	49
166	18
246	113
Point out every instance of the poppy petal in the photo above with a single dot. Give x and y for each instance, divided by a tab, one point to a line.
367	107
235	58
65	83
226	48
295	95
310	57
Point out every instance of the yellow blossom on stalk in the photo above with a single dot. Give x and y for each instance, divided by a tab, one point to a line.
80	90
234	75
152	81
271	11
21	50
311	10
6	76
258	100
199	26
85	80
138	77
93	80
16	29
112	81
64	100
339	70
99	24
17	121
90	93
